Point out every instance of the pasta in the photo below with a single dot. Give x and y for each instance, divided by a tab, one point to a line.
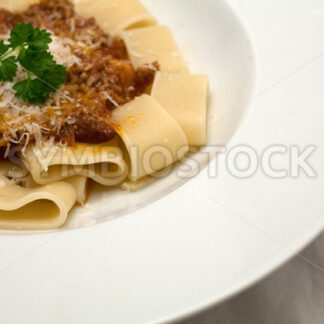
132	186
40	208
154	44
115	15
103	163
166	144
79	183
128	109
185	99
16	5
11	170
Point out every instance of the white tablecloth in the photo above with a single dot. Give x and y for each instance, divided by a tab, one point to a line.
289	33
293	294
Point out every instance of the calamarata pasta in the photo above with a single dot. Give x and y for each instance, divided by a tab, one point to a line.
90	90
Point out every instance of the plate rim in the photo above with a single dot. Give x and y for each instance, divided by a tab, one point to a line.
279	259
287	254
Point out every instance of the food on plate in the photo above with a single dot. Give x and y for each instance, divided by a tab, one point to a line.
90	89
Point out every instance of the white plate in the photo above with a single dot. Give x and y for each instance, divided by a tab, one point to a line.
221	47
202	241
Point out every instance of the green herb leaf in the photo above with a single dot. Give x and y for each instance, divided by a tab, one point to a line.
36	61
8	69
40	39
34	91
3	48
25	34
54	76
42	65
30	45
20	35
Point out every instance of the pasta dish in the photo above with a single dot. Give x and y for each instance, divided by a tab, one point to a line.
90	90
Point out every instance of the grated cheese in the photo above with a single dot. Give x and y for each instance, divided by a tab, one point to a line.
61	51
18	116
109	97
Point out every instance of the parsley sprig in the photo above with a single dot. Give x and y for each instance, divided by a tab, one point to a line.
28	46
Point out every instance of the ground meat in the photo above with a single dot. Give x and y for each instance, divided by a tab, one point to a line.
104	79
87	129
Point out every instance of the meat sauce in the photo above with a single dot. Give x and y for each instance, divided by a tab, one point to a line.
103	80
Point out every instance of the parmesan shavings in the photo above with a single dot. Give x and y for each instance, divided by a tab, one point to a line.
20	117
109	97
